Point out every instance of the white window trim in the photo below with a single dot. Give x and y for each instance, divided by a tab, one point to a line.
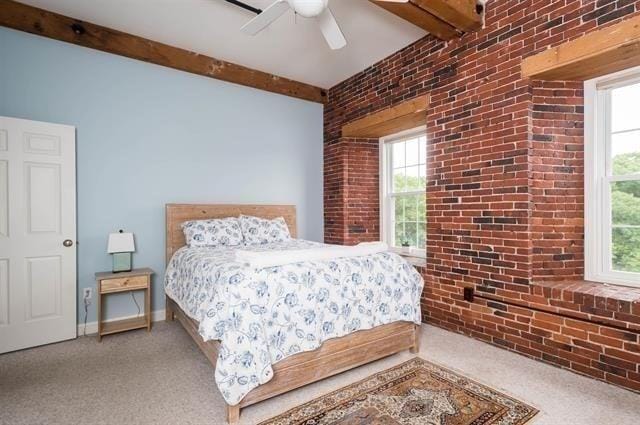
385	205
597	183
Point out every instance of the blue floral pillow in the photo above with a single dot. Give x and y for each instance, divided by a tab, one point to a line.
214	232
258	231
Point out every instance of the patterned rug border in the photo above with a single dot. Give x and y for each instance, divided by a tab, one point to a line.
418	361
500	390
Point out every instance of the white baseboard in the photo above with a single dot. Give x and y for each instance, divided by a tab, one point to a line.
92	327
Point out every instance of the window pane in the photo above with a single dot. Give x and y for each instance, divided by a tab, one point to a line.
626	249
397	153
411	208
409	224
624	109
398	215
625	152
413	152
410	232
422	235
399	234
413	179
399	180
625	203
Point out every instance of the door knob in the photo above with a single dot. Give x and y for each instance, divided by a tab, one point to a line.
67	243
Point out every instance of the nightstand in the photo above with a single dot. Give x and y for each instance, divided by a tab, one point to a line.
113	283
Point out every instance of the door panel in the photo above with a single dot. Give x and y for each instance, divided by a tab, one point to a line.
3	140
4	291
43	287
42	185
37	213
4	199
42	144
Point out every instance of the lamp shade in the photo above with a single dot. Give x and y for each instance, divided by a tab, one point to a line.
120	242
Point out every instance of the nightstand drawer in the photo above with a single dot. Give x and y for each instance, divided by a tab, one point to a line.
123	284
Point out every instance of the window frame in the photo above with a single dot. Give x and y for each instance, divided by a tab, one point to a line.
598	178
386	176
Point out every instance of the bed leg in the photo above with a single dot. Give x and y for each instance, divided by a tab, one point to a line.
168	312
233	414
416	340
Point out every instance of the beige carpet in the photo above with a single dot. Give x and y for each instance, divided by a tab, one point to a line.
162	378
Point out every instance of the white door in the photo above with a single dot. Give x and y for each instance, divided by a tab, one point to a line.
37	216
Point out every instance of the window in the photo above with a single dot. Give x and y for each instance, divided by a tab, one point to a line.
612	178
403	186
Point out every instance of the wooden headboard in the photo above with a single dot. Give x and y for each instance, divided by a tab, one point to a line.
176	214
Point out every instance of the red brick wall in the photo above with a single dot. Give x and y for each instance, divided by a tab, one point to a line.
335	190
504	189
557	183
351	195
363	199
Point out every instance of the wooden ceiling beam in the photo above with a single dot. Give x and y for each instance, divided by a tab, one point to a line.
461	14
33	20
421	18
611	49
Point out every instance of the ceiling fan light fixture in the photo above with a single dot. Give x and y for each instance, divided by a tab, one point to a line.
308	8
318	9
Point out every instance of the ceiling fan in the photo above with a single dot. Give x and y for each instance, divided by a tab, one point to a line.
318	9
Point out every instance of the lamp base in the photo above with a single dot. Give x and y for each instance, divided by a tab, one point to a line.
121	262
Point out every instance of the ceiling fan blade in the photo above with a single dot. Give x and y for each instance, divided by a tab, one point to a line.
331	30
264	19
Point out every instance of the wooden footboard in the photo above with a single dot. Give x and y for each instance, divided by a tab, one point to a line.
333	357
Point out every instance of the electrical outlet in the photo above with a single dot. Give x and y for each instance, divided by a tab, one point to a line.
468	294
88	293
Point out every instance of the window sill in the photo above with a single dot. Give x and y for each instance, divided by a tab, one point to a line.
617	279
414	261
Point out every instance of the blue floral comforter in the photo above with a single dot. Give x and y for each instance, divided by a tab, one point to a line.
262	316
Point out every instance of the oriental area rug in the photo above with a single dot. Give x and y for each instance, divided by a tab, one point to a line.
414	393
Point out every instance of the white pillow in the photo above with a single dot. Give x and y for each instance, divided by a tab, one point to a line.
213	232
257	231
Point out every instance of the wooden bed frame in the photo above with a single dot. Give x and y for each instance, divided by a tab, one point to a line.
333	357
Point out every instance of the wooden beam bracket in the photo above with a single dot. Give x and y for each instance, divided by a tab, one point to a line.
420	18
445	19
462	14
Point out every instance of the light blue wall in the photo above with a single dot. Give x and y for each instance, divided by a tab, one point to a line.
149	135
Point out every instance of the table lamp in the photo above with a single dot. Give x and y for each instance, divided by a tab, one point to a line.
121	246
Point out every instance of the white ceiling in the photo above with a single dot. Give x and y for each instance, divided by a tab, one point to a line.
292	47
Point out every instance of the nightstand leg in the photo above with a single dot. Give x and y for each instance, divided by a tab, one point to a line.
147	307
99	314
